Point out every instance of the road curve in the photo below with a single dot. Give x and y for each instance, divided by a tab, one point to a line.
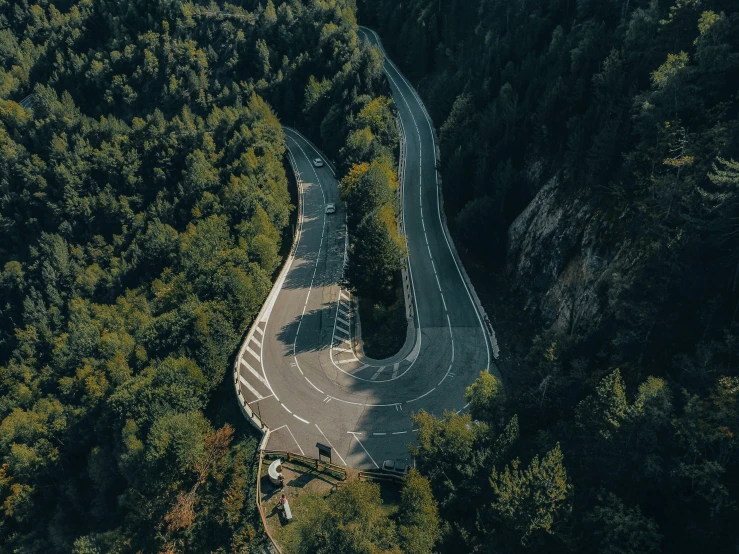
298	371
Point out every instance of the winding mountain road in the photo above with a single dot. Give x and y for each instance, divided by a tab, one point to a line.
298	369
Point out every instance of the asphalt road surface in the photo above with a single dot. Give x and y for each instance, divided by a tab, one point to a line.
299	371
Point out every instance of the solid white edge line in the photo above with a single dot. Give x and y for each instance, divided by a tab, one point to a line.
438	205
365	450
296	440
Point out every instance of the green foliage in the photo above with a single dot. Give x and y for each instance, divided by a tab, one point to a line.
377	252
418	518
353	523
604	413
485	397
619	529
628	110
143	201
532	499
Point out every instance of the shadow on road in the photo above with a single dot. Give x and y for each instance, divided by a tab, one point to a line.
316	330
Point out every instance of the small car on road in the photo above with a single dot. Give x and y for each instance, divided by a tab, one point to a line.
318	162
330	208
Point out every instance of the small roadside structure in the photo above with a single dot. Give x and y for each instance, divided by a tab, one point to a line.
275	472
286	508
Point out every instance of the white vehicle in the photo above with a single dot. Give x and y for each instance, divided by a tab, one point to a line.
330	208
318	162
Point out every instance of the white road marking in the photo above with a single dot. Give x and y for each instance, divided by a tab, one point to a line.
344	321
296	440
329	443
400	433
377	374
312	385
365	450
395	370
379	434
446	374
438	205
251	389
257	328
463	408
419	398
250	351
286	408
343	331
360	368
347	361
253	371
301	419
309	143
259	344
260	399
336	349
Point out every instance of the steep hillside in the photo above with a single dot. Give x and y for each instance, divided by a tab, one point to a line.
591	143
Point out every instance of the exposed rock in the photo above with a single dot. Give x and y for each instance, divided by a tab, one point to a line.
561	254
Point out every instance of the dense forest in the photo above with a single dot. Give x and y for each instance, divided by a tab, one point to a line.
617	124
144	205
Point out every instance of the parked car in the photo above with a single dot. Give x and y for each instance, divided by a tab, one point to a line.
318	162
330	208
397	467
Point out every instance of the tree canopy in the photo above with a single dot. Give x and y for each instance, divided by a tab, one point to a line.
143	209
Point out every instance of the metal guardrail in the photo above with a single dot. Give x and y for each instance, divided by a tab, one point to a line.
381	477
262	444
319	465
485	320
27	102
405	274
248	412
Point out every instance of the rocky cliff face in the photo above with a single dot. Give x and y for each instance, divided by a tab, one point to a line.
562	254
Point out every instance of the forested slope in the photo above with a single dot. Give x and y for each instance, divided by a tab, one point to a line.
143	203
591	142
